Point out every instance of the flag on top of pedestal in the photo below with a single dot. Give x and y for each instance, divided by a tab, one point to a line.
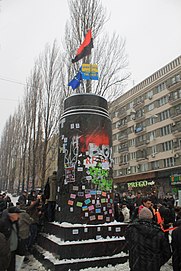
85	47
75	82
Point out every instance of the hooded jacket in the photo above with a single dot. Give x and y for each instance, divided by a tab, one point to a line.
148	247
176	247
5	254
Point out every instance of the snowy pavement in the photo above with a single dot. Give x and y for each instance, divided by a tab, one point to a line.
34	265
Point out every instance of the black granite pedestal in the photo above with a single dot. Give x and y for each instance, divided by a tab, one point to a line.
63	247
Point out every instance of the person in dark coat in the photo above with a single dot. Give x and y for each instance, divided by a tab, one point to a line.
5	253
50	194
31	196
9	227
23	198
34	211
2	204
147	245
176	245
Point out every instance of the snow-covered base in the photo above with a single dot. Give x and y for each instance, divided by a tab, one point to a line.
49	256
34	265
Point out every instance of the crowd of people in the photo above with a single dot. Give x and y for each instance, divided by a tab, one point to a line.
153	234
20	223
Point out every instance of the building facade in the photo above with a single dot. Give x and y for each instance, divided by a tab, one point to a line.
146	125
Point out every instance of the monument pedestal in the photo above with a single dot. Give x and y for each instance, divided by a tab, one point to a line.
63	247
84	199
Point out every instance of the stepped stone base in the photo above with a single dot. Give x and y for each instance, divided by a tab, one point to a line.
51	263
71	248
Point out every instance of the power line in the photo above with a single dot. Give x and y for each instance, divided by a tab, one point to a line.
12	81
6	99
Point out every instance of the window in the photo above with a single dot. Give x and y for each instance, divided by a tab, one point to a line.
141	138
163	100
116	173
160	87
139	127
132	155
140	113
169	162
166	130
152	135
176	94
155	165
132	142
116	114
134	169
152	120
115	149
151	107
116	160
165	115
125	158
175	79
150	94
144	167
154	149
167	145
131	105
118	124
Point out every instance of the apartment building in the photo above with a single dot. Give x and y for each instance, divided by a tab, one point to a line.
146	125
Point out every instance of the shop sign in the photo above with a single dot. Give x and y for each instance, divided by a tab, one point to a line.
140	184
175	179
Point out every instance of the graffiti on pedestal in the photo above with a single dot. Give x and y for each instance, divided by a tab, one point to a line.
88	172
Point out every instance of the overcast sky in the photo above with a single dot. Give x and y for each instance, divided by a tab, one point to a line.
151	29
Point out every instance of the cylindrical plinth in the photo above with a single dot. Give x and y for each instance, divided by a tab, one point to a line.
84	192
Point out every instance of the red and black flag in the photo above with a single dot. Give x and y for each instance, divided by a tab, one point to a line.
85	47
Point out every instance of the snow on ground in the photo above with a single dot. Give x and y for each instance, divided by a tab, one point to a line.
32	265
35	265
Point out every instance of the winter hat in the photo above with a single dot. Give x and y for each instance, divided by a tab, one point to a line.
145	213
14	210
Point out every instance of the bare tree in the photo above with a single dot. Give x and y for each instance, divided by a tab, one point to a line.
51	98
108	53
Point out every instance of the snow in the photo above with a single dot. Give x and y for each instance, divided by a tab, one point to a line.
35	265
69	225
60	242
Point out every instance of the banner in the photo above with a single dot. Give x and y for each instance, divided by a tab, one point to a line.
90	71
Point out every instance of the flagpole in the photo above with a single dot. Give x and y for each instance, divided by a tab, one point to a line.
88	82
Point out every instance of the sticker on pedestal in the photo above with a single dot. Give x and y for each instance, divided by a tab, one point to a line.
79	204
92	217
76	231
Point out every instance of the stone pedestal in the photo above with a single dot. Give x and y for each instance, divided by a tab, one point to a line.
84	192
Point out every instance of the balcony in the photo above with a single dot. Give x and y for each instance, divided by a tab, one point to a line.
176	129
141	143
123	149
140	130
123	137
122	126
123	164
176	115
174	101
139	104
139	118
141	158
174	86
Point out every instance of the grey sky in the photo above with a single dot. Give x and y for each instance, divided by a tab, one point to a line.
151	29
